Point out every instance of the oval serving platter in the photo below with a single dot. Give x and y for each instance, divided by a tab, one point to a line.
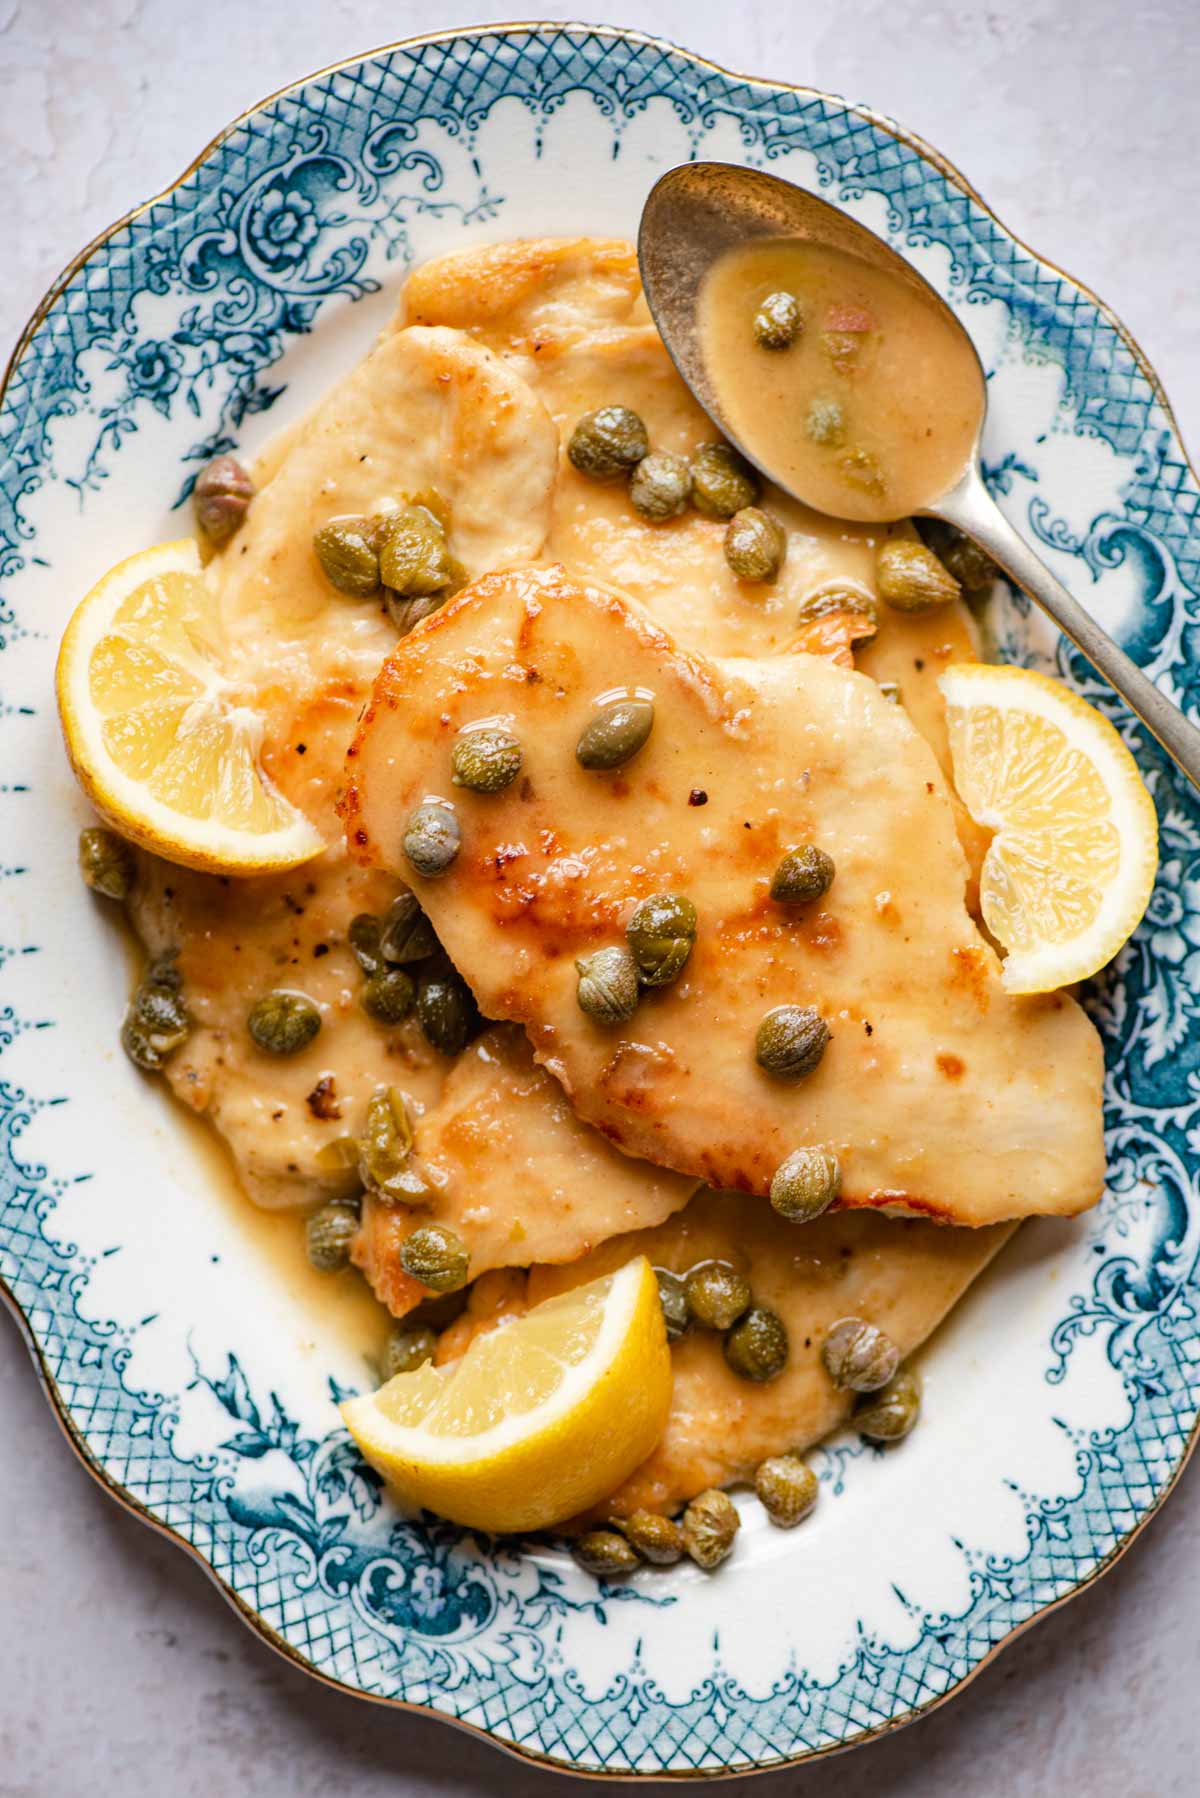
196	1380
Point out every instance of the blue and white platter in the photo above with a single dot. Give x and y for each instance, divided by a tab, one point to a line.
1062	1394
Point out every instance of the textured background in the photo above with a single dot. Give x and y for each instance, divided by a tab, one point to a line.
123	1671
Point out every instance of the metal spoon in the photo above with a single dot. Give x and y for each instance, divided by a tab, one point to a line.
698	211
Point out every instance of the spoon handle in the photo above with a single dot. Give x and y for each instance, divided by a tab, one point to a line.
971	507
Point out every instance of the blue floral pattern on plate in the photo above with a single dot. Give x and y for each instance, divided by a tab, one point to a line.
160	348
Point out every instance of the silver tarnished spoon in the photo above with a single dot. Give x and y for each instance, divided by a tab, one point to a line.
700	210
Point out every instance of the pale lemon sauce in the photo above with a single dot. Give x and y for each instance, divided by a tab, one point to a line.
873	410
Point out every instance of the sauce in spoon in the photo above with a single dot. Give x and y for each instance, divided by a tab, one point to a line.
873	409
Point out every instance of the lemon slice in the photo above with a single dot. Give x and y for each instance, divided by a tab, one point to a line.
155	731
542	1417
1071	866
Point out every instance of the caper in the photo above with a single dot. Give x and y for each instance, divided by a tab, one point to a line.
432	838
755	544
910	577
757	1346
859	468
164	971
106	862
710	1524
722	481
825	423
156	1023
858	1356
787	1488
388	996
221	498
608	984
436	1257
791	1041
486	759
657	1539
806	1184
673	1299
607	442
778	321
407	610
716	1294
805	873
337	1156
447	1013
405	933
363	938
843	348
974	571
615	733
413	558
837	598
328	1236
346	551
890	1414
605	1553
661	933
283	1023
404	1350
384	1150
661	485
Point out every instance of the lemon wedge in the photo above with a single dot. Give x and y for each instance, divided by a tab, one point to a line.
540	1418
155	731
1069	871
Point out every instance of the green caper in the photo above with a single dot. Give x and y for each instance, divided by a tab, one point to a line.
605	1553
806	1184
891	691
755	544
486	759
106	862
404	1350
221	498
329	1234
716	1295
608	984
791	1041
859	469
710	1524
436	1257
164	971
337	1156
384	1150
615	733
778	321
787	1488
673	1299
838	598
413	559
661	485
432	838
388	996
346	551
405	933
910	577
447	1014
157	1022
890	1414
408	610
757	1346
283	1023
722	481
608	442
843	348
825	423
363	938
805	873
657	1539
974	571
661	933
858	1356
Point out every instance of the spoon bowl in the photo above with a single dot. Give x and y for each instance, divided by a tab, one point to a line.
699	212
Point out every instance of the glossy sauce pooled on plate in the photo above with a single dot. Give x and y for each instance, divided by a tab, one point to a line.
859	395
